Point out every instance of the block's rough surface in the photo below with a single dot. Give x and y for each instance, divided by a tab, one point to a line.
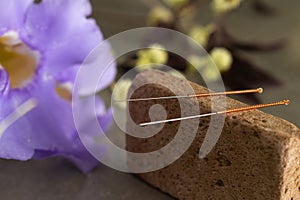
256	157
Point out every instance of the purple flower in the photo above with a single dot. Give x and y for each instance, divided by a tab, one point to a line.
42	46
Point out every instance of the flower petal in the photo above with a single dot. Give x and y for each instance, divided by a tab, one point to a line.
97	72
49	129
13	146
63	41
106	120
77	152
45	127
65	35
12	14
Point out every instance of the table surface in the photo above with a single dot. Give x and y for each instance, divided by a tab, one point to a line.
56	179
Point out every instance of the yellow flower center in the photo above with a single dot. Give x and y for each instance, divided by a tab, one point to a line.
64	91
19	61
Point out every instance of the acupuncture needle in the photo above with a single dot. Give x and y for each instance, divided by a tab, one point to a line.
258	90
247	108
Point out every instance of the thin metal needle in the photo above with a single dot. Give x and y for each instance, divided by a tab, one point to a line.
258	90
284	102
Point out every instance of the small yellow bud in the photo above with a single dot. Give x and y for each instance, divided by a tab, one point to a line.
223	6
196	63
160	15
210	74
201	33
206	65
176	3
222	58
120	92
154	55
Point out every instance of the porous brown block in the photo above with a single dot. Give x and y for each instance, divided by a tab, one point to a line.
256	157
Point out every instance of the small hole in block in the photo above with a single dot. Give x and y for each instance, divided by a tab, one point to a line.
220	183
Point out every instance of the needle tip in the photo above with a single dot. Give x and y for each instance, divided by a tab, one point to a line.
260	90
286	102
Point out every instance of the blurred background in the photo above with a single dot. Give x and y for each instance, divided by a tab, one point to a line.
265	34
270	23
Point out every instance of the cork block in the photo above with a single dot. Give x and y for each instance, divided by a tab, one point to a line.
256	157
